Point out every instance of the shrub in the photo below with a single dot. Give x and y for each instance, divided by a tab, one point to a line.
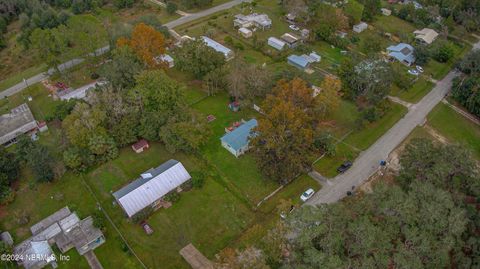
198	179
172	197
171	7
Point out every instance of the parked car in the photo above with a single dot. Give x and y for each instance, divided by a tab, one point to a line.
419	68
344	167
307	195
413	72
294	27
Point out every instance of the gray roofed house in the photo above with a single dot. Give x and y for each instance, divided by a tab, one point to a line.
66	230
253	20
35	254
19	121
151	186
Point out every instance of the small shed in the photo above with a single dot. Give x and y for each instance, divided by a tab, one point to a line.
237	141
276	43
386	12
245	32
140	146
358	28
299	62
6	238
42	126
165	58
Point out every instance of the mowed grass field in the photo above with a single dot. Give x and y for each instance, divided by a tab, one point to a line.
455	127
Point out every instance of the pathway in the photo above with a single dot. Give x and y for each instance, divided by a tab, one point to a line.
93	260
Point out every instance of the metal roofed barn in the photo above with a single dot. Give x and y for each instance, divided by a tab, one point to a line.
228	53
151	186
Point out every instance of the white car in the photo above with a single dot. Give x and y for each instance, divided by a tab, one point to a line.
307	195
413	72
419	68
294	27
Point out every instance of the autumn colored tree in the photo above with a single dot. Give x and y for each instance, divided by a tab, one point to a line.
329	96
285	133
147	43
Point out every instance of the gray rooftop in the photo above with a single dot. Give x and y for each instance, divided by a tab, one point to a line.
20	120
140	181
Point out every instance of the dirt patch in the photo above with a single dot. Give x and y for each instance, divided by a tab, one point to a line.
440	138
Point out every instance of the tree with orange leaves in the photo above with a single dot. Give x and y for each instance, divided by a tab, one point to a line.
147	43
329	96
285	133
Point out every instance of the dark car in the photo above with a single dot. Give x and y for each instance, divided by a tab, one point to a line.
344	167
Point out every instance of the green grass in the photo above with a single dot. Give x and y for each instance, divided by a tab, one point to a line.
42	105
327	166
394	25
455	127
438	70
369	134
242	172
18	77
415	93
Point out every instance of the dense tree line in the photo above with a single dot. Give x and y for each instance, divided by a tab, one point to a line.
462	12
466	88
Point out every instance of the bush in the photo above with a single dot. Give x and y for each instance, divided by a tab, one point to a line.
171	8
228	40
198	179
172	197
94	75
443	52
239	46
99	220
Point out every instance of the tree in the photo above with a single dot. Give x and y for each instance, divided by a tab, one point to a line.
216	81
470	64
443	51
187	135
83	123
88	35
368	81
124	3
171	7
371	9
123	68
147	43
329	96
422	55
37	157
9	165
196	58
285	134
50	45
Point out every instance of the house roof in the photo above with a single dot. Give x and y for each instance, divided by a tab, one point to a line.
216	46
402	52
301	61
239	137
426	34
276	43
260	19
20	120
164	58
34	254
290	38
152	185
142	143
48	221
244	30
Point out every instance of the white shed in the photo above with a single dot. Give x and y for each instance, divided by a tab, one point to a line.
245	32
358	28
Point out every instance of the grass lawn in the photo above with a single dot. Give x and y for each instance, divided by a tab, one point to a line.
369	134
455	127
242	172
356	140
415	93
394	25
41	105
19	76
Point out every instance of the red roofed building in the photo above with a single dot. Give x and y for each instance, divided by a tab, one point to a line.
140	146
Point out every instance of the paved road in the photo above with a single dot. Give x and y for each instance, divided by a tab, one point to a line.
185	19
203	13
37	78
368	161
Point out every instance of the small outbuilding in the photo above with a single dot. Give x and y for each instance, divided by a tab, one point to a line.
386	11
426	35
140	146
276	43
237	141
358	28
152	185
245	32
300	62
167	59
291	40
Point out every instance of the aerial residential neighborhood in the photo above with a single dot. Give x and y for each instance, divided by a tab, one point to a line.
238	134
